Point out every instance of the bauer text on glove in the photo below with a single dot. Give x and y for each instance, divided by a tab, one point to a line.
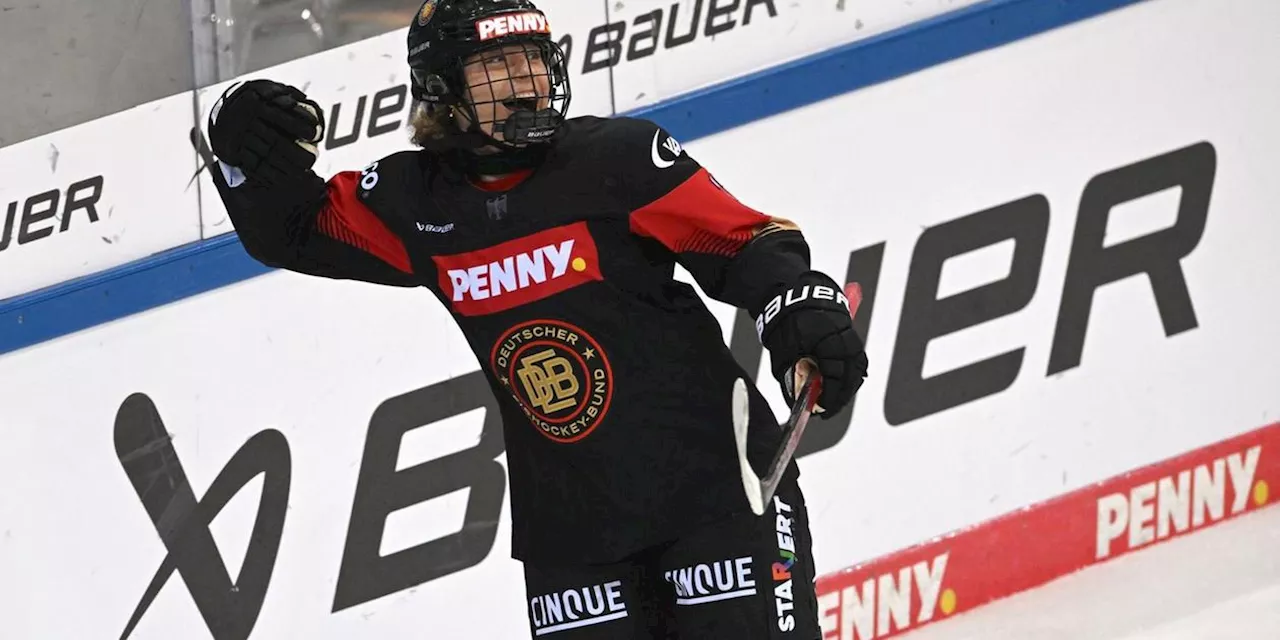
810	319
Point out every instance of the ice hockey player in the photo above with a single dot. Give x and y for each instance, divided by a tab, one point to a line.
553	241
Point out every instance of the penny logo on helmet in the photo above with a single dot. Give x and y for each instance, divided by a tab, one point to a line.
558	374
511	24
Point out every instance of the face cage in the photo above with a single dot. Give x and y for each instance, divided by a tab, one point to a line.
505	81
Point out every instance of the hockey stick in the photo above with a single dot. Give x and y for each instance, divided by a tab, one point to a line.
760	490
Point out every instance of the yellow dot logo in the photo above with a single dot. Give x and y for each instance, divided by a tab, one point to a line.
579	264
1261	492
948	602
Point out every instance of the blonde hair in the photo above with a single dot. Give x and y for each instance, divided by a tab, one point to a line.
430	124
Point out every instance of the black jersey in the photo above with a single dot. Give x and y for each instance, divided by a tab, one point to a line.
613	378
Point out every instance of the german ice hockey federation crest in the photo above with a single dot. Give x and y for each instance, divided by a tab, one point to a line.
424	14
558	374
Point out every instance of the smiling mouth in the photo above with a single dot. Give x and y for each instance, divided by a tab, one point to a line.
521	103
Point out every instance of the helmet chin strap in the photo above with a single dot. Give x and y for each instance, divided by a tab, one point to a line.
527	127
531	128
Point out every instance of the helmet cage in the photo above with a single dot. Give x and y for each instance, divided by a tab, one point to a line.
533	117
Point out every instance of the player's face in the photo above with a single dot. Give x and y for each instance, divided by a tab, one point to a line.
507	79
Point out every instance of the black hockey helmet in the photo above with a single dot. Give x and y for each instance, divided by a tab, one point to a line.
444	33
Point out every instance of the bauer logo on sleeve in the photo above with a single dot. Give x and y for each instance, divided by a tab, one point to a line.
520	271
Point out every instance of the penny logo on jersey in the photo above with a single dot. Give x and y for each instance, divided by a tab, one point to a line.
520	271
558	374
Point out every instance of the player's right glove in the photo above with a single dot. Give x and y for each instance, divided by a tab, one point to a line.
267	130
810	319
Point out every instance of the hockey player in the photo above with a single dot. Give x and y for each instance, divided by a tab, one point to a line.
552	242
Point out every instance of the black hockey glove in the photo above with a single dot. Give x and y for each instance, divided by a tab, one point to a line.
267	130
810	319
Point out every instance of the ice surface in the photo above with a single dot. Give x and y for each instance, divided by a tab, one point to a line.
1221	583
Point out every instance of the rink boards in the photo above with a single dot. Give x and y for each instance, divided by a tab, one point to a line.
120	188
1066	251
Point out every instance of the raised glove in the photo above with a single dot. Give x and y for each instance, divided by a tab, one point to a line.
267	130
810	319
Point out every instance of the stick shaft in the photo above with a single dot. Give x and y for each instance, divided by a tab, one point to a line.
793	431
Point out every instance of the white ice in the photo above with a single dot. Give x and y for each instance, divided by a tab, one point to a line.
1220	583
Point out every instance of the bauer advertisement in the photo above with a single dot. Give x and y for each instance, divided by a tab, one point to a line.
79	201
1064	275
121	188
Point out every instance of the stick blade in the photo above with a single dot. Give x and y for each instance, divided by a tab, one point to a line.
741	420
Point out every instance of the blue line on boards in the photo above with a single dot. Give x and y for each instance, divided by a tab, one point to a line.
178	273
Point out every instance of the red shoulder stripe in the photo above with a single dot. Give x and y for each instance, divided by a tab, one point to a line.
699	217
346	219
